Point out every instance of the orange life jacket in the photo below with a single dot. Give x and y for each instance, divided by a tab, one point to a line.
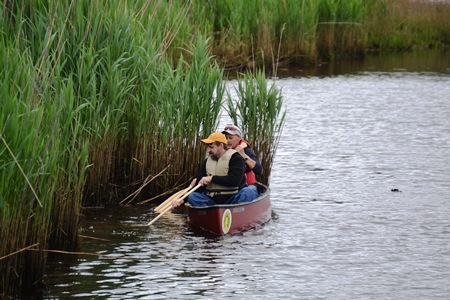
249	174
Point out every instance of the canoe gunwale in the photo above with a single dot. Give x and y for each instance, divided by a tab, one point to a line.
260	198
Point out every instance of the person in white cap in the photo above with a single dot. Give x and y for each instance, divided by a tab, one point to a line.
222	176
252	164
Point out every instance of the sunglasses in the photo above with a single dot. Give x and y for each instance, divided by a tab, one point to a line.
230	128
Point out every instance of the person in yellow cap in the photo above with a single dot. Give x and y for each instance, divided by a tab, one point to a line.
222	176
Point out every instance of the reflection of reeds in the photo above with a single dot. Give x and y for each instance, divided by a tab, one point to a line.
259	111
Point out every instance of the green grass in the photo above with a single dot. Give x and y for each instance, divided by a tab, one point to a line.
259	112
93	95
263	34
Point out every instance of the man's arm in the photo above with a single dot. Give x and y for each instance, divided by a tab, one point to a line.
253	161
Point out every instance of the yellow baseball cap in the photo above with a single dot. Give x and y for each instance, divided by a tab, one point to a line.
215	137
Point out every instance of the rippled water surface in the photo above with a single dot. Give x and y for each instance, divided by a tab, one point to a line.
360	198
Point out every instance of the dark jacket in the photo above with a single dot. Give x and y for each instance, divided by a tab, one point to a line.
257	169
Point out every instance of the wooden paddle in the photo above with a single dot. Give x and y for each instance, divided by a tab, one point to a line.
170	207
168	201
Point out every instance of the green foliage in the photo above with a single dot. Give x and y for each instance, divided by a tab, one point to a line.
258	111
184	104
35	162
271	32
86	87
405	25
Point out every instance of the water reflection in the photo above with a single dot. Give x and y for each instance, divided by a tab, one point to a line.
434	61
338	231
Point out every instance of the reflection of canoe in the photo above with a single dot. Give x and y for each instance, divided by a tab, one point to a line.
232	218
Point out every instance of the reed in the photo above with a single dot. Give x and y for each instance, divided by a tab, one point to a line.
339	29
405	25
184	104
264	34
258	110
80	83
40	170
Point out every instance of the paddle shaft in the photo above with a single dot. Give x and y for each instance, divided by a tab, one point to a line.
170	207
163	205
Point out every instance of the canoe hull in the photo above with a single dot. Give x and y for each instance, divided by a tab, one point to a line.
234	218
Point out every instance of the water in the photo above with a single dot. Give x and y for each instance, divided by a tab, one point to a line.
360	195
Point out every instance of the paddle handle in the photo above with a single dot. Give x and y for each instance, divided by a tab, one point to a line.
170	207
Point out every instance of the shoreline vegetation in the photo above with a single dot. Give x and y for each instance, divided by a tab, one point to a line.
104	98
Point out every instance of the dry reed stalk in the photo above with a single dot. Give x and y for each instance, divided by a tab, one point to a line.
160	195
21	170
18	251
76	253
146	181
93	238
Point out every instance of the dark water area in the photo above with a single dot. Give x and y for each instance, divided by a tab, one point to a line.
360	199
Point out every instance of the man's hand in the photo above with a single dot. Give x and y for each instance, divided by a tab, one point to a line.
240	149
205	180
193	183
176	202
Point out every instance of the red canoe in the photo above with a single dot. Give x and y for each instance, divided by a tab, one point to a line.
232	218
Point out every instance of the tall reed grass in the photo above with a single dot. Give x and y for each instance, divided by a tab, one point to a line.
41	168
265	33
174	108
95	97
258	110
406	25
